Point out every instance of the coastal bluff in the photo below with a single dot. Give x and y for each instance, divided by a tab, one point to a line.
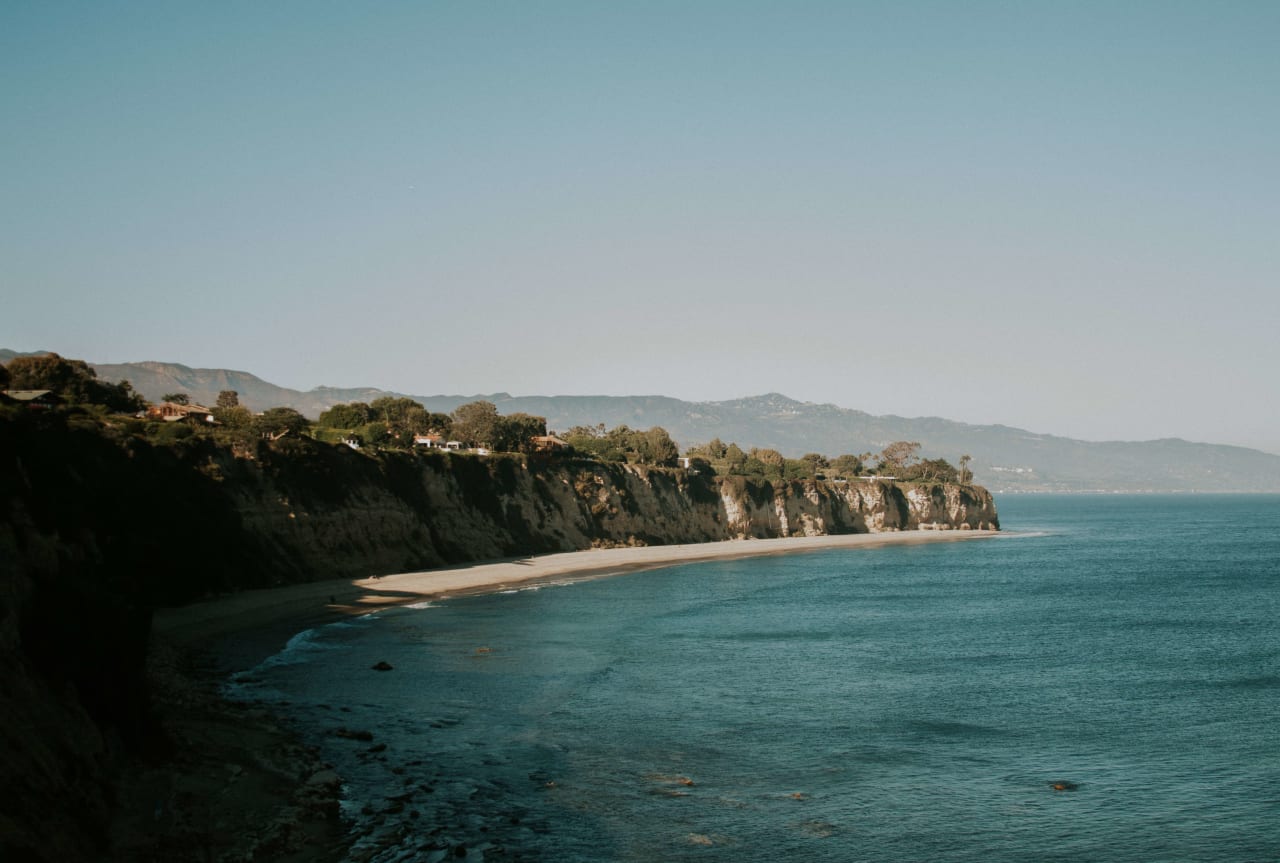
99	528
330	512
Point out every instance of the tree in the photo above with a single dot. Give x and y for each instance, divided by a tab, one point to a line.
475	423
930	470
393	410
656	447
515	433
441	424
735	457
624	444
595	442
816	461
966	475
4	378
228	399
122	397
235	417
278	421
595	431
176	398
345	416
897	457
847	466
374	434
797	468
73	380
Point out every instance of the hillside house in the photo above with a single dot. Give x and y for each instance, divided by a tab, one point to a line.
548	444
171	412
430	441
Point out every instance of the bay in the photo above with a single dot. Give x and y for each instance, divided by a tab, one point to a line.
1101	682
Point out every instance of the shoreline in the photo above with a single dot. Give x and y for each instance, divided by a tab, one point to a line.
243	629
274	794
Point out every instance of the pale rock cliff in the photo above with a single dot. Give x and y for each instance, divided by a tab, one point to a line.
346	514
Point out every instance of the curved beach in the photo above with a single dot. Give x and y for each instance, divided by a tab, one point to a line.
295	606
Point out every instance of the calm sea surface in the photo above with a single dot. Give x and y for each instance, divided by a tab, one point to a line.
896	704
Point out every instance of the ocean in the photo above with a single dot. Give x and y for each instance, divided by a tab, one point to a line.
1101	682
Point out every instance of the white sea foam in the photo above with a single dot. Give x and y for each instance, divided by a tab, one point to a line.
1024	534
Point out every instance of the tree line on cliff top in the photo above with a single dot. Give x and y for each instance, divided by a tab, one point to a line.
396	422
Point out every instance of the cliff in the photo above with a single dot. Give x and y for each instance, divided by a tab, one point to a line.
100	527
320	511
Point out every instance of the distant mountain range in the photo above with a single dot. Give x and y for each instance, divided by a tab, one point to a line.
1004	458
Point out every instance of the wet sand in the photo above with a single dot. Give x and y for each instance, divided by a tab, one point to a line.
243	626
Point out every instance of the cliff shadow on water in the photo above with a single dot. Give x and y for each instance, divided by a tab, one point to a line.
101	526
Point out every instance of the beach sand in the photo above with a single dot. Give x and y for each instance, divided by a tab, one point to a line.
245	628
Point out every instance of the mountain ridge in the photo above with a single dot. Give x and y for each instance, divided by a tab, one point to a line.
1005	458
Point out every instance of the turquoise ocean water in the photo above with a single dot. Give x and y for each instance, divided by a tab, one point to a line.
895	704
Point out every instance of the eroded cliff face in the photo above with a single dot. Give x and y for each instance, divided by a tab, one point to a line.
332	512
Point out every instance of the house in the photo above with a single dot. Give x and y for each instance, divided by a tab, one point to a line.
352	441
548	443
34	399
430	441
172	412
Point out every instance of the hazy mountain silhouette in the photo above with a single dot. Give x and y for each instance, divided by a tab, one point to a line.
1004	458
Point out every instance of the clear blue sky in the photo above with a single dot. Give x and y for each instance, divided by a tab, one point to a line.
1059	216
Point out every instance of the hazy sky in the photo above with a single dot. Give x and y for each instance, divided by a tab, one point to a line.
1059	216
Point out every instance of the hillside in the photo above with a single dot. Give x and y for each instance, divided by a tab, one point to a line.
1004	458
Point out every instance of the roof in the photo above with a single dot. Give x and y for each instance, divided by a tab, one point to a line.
194	409
27	395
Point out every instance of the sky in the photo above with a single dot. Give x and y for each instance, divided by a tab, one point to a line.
1056	216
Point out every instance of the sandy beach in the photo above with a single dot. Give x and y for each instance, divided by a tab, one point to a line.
277	613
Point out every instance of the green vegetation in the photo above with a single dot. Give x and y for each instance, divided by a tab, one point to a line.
387	422
73	381
622	444
394	423
730	460
898	460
